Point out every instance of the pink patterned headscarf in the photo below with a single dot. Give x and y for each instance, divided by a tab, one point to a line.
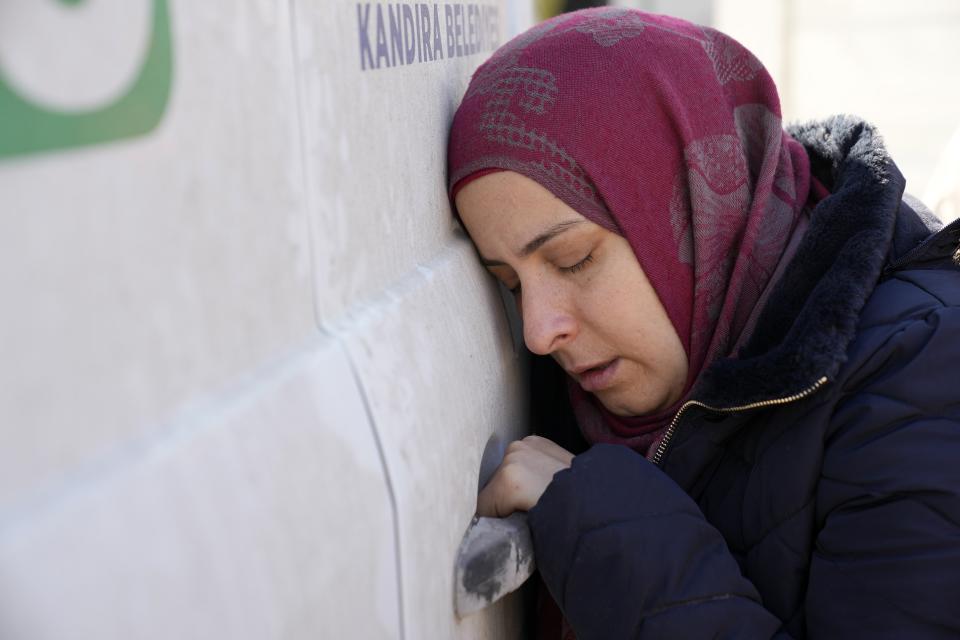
664	132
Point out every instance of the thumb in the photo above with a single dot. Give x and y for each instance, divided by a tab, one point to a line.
496	500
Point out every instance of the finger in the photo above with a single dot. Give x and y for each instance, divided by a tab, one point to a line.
518	483
504	493
487	506
535	454
550	448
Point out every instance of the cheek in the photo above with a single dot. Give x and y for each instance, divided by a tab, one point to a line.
631	309
673	359
614	300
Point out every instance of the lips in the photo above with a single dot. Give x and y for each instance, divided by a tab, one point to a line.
596	377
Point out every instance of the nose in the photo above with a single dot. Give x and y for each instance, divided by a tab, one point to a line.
548	322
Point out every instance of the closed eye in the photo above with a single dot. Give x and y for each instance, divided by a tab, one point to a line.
574	268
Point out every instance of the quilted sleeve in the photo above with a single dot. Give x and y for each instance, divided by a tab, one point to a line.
887	557
627	554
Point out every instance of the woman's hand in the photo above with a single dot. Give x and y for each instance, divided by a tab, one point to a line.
522	477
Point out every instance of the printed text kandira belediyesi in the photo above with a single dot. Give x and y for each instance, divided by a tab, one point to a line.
397	33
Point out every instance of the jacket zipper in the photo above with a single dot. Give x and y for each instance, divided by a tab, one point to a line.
917	250
662	448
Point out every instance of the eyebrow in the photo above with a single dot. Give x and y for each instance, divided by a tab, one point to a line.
540	240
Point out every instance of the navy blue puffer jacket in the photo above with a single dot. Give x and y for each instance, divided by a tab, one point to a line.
812	489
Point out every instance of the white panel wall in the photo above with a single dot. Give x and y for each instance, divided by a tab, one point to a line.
434	416
138	274
396	282
375	142
250	365
234	525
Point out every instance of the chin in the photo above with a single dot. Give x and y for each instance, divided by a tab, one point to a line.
618	407
624	408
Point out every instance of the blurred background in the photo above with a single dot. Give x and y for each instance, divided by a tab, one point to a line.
891	62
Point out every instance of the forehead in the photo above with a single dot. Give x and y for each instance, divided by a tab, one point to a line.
508	207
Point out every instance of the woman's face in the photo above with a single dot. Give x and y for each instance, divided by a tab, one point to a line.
581	292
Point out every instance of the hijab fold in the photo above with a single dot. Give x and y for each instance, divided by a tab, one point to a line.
664	132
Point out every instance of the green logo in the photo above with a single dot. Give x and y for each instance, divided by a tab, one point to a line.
66	79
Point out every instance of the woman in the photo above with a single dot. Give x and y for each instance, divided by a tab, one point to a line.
758	333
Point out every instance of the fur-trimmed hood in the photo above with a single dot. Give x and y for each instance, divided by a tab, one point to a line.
862	230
